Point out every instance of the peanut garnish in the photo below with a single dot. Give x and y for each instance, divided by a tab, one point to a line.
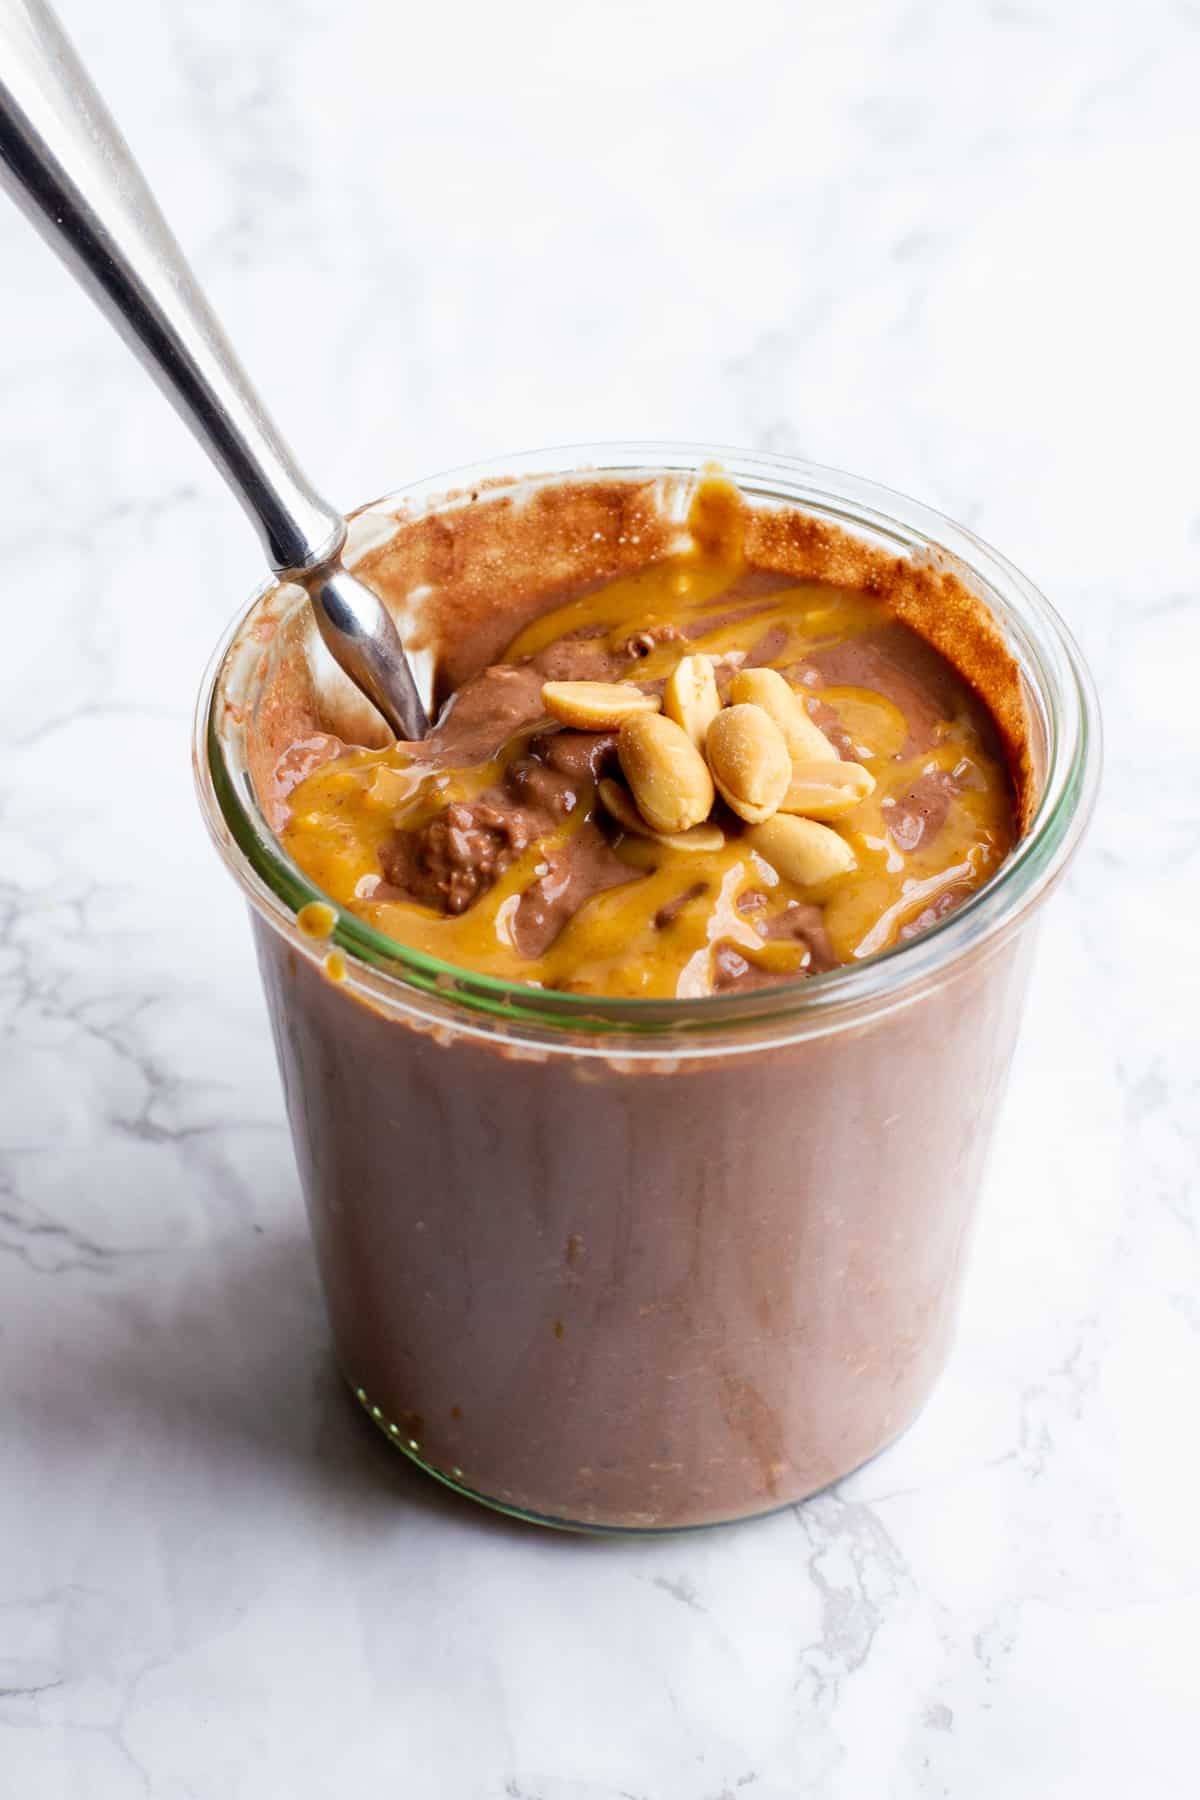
826	790
801	850
670	781
691	698
749	760
767	688
617	802
596	705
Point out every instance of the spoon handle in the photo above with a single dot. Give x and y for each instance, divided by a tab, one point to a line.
67	166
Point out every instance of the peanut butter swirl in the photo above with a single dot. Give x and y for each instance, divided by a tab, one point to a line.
699	776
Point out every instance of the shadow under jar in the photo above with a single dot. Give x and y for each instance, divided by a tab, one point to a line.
636	1264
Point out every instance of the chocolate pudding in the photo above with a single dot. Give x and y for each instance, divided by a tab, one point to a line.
642	1030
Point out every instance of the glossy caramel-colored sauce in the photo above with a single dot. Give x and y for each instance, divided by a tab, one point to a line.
906	715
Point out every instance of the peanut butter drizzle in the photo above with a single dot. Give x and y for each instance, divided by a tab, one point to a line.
939	822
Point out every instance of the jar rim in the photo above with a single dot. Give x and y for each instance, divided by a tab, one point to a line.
440	996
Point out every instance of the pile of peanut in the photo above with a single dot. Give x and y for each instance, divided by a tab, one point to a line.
761	753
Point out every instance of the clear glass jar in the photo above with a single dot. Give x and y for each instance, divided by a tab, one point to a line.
642	1264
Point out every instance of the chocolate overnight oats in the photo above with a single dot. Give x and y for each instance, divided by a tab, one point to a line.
639	1082
698	778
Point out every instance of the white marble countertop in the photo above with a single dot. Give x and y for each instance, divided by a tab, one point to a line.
950	247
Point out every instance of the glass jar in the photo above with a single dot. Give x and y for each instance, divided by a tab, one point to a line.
644	1264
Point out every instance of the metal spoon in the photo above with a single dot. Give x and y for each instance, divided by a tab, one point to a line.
67	166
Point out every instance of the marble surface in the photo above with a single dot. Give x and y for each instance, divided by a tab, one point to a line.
951	247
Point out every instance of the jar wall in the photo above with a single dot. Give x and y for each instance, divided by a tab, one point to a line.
622	1297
